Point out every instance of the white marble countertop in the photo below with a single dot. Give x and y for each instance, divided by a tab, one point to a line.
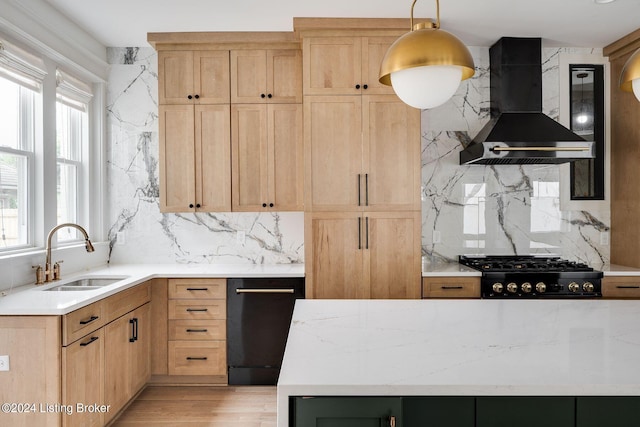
35	300
453	269
466	347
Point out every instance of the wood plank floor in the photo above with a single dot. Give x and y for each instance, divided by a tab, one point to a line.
250	406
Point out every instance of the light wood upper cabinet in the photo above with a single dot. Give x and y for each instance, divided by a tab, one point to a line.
193	77
362	153
266	76
195	169
344	65
267	157
364	255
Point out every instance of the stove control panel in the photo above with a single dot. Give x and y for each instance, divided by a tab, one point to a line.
552	287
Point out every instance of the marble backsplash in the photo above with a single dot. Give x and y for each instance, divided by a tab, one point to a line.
139	232
471	209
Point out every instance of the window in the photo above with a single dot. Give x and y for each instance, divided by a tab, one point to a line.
18	97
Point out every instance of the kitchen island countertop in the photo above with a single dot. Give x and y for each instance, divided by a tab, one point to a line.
467	347
36	300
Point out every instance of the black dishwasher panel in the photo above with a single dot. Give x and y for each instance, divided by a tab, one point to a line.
258	317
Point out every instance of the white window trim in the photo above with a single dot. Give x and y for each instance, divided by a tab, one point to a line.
566	204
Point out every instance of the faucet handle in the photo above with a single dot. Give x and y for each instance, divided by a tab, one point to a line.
39	274
57	274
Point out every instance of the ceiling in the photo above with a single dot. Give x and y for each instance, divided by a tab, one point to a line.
568	23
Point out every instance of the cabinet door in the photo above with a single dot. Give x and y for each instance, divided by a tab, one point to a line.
348	411
284	76
391	133
249	154
525	412
285	157
373	51
249	71
333	139
335	255
83	378
177	157
211	77
213	158
332	65
438	411
141	348
175	77
392	263
117	369
610	411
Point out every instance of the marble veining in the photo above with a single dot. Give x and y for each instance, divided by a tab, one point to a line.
498	209
133	171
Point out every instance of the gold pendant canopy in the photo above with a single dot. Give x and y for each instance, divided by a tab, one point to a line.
630	72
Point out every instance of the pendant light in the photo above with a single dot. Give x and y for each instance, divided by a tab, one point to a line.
630	77
426	65
582	118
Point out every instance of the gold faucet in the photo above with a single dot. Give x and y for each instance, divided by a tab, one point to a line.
53	272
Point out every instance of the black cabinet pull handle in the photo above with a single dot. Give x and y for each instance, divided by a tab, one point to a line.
359	195
446	288
198	96
190	205
84	344
264	205
269	96
627	286
357	86
136	325
197	330
132	322
197	309
197	289
89	320
189	97
359	232
197	205
366	189
367	238
270	205
365	87
196	358
262	95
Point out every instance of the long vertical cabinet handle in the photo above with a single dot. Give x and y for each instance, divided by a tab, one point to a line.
366	189
132	322
359	191
359	233
367	233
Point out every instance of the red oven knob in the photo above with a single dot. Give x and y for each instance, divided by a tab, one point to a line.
498	288
574	287
512	287
541	287
526	287
588	287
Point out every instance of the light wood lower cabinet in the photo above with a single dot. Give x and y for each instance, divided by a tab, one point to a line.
622	287
197	346
83	379
450	287
370	255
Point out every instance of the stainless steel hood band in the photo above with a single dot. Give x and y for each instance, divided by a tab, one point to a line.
540	149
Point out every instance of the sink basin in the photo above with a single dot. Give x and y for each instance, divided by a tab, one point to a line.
86	284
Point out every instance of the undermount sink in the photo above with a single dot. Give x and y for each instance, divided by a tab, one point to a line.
86	284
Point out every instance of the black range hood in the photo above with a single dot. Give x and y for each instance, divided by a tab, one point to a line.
518	132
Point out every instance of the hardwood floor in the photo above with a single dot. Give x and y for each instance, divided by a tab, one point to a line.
249	406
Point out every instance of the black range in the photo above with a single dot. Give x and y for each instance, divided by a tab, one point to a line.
516	276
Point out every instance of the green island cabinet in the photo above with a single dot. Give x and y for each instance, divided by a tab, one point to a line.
463	411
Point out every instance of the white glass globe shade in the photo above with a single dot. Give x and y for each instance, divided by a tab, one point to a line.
636	88
428	86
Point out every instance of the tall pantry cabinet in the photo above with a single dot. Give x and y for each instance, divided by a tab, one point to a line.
362	166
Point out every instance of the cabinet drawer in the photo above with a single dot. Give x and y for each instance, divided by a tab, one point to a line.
621	287
197	288
451	287
82	321
197	330
126	301
197	309
197	358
